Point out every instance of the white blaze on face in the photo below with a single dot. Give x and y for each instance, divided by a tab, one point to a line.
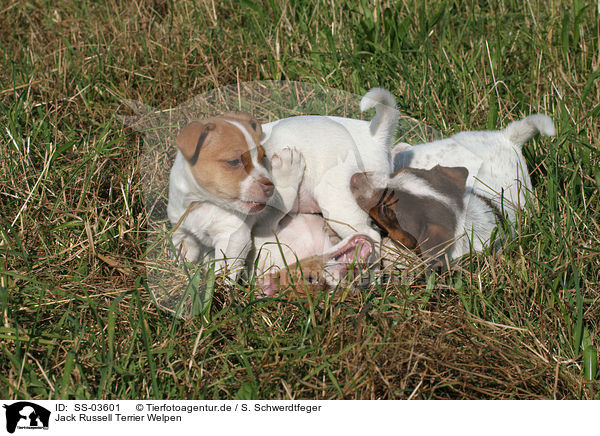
258	170
372	182
378	180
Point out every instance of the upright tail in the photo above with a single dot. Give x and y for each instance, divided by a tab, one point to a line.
519	132
385	120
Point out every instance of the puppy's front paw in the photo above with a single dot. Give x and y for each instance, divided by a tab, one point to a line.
287	167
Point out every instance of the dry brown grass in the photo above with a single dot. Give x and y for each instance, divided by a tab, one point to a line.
77	318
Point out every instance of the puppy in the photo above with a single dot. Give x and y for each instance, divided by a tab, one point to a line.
334	148
494	160
429	211
218	183
450	210
300	249
304	255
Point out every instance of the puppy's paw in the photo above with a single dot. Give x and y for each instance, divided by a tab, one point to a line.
287	167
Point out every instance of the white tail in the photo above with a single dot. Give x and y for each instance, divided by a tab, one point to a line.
519	132
384	122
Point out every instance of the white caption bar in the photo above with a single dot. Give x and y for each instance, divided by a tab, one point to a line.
151	417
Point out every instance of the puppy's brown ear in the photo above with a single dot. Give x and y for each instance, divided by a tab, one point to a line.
456	175
404	238
191	138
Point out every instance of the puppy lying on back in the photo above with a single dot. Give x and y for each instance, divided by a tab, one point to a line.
327	150
300	249
304	255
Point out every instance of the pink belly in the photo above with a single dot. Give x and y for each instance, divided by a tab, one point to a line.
304	234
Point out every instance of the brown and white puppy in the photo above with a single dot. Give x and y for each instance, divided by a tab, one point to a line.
494	159
219	169
430	211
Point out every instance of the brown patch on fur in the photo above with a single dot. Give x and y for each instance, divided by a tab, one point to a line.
306	275
246	119
385	215
449	181
436	239
191	138
423	224
220	157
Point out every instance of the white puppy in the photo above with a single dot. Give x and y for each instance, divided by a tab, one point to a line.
442	210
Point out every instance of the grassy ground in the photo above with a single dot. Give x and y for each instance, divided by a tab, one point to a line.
77	320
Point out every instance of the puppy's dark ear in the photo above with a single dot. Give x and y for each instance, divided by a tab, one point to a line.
191	138
456	175
404	238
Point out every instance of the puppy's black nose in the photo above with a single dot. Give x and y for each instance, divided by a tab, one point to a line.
357	180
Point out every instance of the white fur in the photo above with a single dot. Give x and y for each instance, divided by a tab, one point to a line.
419	187
280	238
302	237
280	241
474	221
210	227
497	169
474	226
335	148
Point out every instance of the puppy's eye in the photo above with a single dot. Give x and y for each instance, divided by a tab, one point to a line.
391	214
234	163
312	280
388	212
384	210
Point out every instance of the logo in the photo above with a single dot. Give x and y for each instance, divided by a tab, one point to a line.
26	415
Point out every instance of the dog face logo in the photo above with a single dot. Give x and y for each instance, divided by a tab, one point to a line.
24	414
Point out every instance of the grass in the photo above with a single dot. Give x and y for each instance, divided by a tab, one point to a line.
77	317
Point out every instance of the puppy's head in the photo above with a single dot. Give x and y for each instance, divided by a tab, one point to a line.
226	159
417	208
322	271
